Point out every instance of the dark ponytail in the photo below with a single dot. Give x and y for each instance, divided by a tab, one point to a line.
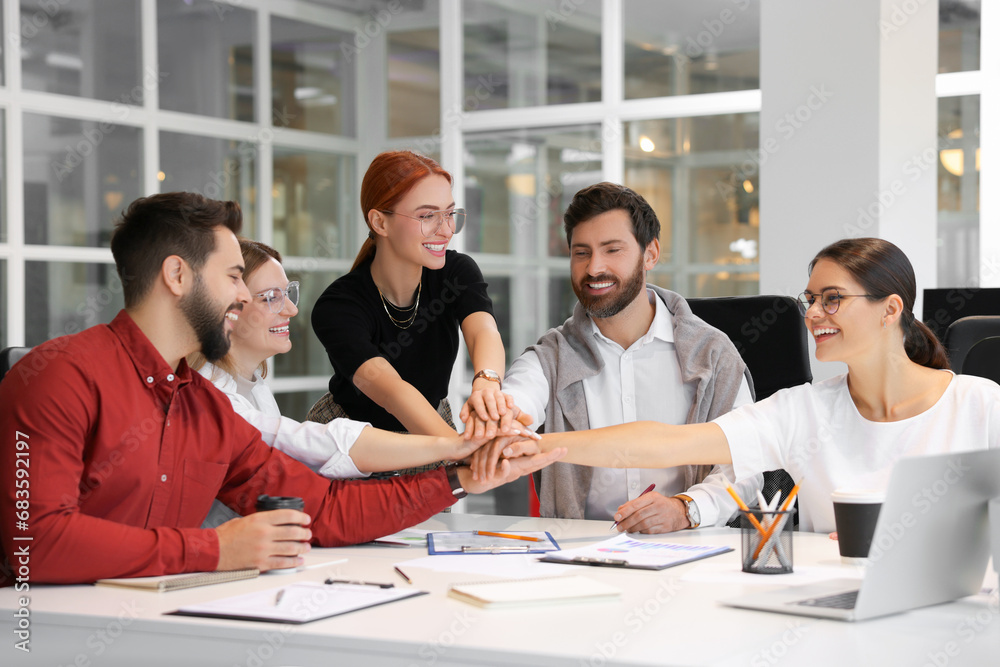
882	269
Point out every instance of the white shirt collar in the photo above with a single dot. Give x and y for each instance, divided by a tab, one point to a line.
662	326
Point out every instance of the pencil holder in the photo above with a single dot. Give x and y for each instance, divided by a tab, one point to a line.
766	539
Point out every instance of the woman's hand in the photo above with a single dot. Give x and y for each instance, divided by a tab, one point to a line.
487	412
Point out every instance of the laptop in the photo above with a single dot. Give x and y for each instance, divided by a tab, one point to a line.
931	544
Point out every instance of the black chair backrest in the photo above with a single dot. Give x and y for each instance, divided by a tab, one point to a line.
10	356
769	334
966	332
983	359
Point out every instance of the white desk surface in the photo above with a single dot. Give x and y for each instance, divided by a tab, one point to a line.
670	617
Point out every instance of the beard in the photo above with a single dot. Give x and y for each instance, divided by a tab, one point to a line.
209	327
615	301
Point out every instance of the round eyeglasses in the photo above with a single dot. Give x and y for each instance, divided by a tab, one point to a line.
829	300
275	297
431	221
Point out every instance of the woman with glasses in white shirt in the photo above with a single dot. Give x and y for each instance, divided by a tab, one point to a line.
391	326
898	397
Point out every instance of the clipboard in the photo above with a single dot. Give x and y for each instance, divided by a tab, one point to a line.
624	551
468	542
300	602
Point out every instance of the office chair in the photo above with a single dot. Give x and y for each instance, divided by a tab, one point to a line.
10	356
983	359
769	334
963	333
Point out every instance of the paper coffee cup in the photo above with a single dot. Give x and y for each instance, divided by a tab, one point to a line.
855	512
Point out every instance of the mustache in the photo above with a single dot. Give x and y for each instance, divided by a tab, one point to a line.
603	278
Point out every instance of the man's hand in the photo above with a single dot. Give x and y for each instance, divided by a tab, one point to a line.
265	540
508	470
652	513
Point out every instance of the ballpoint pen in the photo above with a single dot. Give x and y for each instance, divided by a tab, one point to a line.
648	489
358	583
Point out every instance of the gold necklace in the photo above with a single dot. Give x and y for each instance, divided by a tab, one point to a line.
404	323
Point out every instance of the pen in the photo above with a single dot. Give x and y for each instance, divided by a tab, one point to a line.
508	536
402	574
648	489
765	536
358	583
277	598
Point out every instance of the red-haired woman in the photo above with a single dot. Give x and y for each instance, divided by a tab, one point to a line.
391	325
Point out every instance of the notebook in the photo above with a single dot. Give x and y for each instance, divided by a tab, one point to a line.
176	582
931	544
527	592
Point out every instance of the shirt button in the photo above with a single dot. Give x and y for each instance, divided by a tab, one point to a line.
150	379
628	399
163	478
170	378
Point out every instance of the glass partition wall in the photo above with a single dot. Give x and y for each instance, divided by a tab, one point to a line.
281	106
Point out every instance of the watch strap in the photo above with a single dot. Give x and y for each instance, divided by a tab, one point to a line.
454	482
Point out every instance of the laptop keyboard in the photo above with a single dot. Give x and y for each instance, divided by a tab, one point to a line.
838	601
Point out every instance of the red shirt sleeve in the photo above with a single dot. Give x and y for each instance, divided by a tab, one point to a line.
54	426
343	512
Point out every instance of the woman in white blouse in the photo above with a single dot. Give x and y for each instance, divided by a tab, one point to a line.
897	399
340	449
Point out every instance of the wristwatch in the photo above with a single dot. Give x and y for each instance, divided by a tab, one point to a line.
491	375
454	482
691	509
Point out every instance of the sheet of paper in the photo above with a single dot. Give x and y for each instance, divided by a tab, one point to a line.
408	537
508	566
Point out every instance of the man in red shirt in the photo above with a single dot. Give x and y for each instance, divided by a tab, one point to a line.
113	450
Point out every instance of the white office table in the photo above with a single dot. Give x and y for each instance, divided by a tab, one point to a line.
670	617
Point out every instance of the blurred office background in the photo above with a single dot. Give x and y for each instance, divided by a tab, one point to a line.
281	105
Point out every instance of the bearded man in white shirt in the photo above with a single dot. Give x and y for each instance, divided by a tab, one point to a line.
631	352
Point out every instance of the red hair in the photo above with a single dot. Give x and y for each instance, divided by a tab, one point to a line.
389	177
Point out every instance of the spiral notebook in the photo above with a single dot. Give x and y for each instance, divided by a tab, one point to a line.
176	582
528	592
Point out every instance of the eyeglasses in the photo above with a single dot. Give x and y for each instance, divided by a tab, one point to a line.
275	297
829	300
431	221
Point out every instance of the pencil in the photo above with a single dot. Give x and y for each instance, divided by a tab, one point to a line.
743	506
509	536
402	574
